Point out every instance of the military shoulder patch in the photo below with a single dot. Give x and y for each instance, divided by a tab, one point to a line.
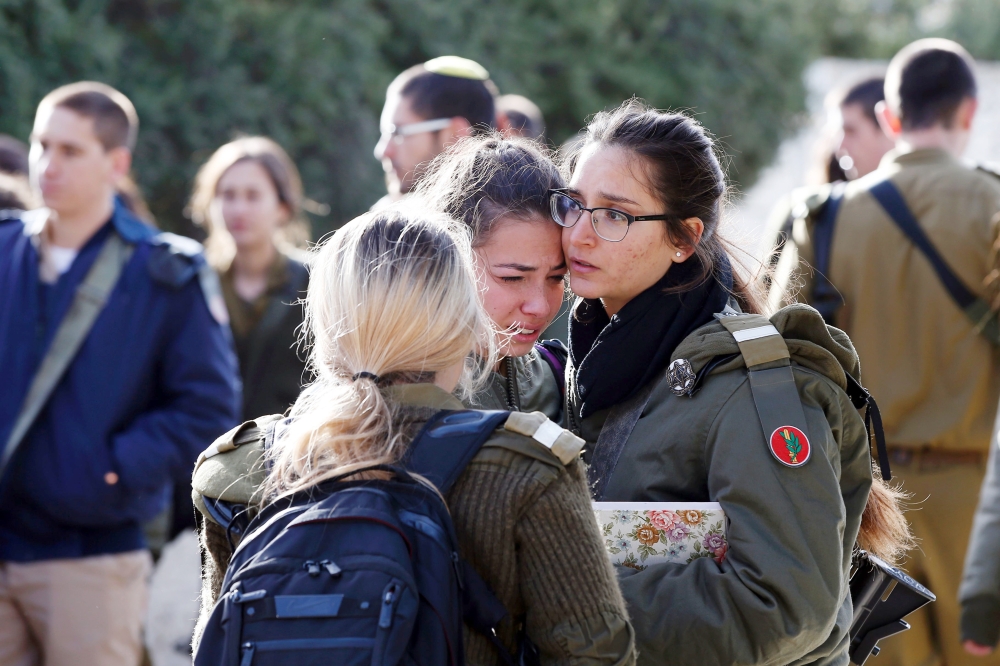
565	445
790	446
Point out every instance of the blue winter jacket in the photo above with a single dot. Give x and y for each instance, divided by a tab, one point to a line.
153	384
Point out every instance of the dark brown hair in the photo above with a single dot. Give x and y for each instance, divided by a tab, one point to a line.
683	171
926	82
283	175
481	179
116	123
866	94
433	95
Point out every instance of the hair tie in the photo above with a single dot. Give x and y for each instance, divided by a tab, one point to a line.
364	374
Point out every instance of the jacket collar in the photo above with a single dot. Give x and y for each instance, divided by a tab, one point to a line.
124	222
614	357
921	156
422	395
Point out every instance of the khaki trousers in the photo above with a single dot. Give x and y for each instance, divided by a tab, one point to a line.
942	505
81	612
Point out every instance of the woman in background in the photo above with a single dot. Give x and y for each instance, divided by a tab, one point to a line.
248	196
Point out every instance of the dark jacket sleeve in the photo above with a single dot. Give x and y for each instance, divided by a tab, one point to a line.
780	592
198	399
979	593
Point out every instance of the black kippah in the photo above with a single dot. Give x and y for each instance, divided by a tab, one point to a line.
364	374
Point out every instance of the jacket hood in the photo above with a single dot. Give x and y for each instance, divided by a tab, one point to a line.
811	343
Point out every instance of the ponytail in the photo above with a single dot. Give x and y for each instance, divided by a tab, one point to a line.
392	299
885	532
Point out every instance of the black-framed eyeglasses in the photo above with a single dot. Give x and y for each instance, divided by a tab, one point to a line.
610	224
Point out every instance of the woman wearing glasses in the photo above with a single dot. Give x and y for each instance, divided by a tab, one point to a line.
499	188
641	216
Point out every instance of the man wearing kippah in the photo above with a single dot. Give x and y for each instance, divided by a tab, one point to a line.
427	108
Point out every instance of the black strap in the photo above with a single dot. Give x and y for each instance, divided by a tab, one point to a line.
442	462
891	199
861	398
825	297
440	453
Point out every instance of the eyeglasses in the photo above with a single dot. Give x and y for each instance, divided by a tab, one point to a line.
397	133
610	224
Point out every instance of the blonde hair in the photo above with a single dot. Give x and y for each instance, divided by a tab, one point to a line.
393	293
284	176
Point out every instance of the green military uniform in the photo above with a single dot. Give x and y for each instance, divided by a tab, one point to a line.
265	332
527	385
523	518
936	379
780	595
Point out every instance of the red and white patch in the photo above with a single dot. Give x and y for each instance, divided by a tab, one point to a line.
790	446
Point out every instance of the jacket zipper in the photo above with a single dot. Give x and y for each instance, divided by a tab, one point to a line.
513	403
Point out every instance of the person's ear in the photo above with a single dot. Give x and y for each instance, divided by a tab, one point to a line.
458	129
121	162
966	112
887	120
696	229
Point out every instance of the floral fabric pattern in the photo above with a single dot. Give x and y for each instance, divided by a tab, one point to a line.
639	534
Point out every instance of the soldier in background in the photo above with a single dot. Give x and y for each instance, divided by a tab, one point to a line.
427	108
862	143
15	192
13	156
519	116
912	258
859	145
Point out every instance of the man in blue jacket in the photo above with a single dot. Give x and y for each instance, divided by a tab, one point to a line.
91	440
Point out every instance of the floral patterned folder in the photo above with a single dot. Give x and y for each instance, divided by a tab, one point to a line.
638	534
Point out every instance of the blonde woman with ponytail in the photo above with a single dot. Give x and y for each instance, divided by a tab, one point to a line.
394	314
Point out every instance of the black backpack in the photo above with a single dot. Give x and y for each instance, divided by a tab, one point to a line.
360	572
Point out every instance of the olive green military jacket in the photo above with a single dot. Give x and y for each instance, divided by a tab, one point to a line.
529	386
781	594
523	518
936	379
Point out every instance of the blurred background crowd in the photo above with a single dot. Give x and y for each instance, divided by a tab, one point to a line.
772	79
313	75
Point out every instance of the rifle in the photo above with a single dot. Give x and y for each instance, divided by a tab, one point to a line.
882	596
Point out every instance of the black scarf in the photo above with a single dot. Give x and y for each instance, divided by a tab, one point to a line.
615	357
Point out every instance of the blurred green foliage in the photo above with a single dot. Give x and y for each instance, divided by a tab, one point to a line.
312	74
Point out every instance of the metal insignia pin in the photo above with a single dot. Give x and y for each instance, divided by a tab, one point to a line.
681	376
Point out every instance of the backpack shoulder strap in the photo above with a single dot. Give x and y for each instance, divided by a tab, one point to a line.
555	353
88	302
448	442
825	297
976	309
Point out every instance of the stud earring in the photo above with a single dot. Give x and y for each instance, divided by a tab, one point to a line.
678	254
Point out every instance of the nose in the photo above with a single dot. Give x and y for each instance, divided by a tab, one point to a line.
536	305
580	234
384	147
45	165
